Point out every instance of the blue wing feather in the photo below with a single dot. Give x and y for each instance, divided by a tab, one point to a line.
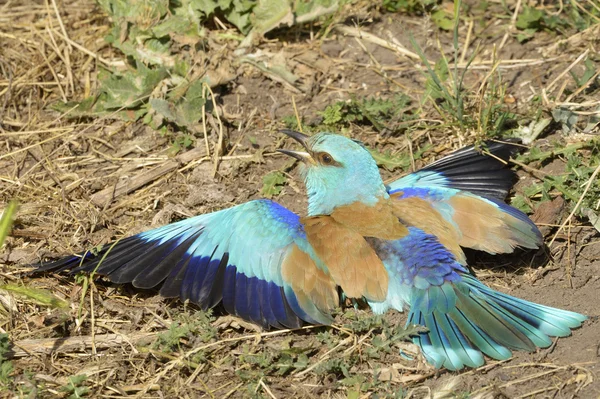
232	256
467	169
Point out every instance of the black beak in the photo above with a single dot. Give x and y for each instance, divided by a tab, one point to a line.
300	138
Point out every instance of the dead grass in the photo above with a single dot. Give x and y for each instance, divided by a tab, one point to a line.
83	182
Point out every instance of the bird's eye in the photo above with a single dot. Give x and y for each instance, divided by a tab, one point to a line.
325	158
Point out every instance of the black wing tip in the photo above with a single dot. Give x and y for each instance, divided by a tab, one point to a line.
481	169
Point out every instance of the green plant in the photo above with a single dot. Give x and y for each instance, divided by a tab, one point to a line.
408	6
7	219
402	160
196	325
570	15
378	112
161	82
581	160
486	112
273	183
75	388
6	366
448	94
532	20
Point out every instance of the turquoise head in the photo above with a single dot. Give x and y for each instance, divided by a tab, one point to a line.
337	171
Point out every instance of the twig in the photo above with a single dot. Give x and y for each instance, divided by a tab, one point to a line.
297	115
219	148
513	21
126	186
563	73
91	53
28	347
357	32
467	43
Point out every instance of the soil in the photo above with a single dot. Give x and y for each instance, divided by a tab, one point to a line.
56	169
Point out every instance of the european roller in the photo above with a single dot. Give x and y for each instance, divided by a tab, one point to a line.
397	246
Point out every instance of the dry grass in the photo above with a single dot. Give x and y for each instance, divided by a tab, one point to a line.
83	182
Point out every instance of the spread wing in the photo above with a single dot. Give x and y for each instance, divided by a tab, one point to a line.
459	199
253	258
483	173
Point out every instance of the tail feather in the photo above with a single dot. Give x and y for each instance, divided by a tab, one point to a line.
483	320
550	321
498	327
479	338
452	338
534	336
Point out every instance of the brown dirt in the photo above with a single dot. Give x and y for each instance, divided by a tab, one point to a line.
55	172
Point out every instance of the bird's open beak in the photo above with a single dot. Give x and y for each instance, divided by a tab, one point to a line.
300	138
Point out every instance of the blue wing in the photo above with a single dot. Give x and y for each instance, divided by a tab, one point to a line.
468	170
233	256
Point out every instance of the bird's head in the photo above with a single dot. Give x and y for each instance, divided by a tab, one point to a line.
337	171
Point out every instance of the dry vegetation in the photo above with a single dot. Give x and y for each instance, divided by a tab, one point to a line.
87	174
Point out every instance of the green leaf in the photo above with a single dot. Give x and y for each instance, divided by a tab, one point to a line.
567	118
530	18
207	7
185	111
37	295
593	217
390	161
189	112
306	11
73	387
521	204
332	114
269	14
443	19
176	24
131	88
6	368
163	107
239	14
272	184
527	34
6	220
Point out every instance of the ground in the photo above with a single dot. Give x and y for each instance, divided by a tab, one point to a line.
85	181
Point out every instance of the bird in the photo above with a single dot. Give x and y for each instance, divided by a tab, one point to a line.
395	246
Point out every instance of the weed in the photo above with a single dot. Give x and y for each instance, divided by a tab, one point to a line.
373	111
162	85
409	6
391	161
579	168
486	113
590	70
6	220
75	388
6	366
360	322
273	183
327	337
190	326
291	122
531	19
